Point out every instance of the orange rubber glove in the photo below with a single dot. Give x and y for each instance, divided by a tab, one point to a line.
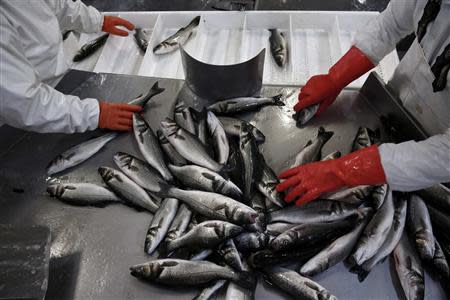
309	181
117	116
325	88
110	24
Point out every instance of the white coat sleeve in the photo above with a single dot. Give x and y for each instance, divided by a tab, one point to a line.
27	103
411	166
75	15
380	36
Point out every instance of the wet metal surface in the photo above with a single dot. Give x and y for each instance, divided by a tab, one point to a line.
92	248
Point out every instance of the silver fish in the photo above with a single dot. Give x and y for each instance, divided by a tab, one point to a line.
232	127
365	137
258	204
202	255
219	138
244	104
267	184
332	155
278	47
188	145
438	196
142	100
439	261
270	206
296	285
149	146
230	255
183	117
174	157
142	37
378	196
312	151
90	48
200	125
355	195
179	224
278	228
83	194
302	117
251	160
440	220
127	188
237	292
419	226
208	292
79	153
200	178
409	269
177	39
160	224
251	241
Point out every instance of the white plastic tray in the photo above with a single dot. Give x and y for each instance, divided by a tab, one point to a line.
316	40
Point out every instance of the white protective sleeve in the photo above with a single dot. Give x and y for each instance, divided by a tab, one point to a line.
75	15
28	103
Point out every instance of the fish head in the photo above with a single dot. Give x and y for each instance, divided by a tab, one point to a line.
169	127
232	230
56	190
179	107
106	173
280	243
280	59
162	138
122	159
143	271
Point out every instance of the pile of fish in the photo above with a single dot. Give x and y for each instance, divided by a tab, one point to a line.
218	220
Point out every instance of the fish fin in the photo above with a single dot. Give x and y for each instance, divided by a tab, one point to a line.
169	264
278	100
194	22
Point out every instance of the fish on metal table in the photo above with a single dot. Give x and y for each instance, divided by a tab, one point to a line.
79	153
365	137
419	227
142	37
90	48
142	100
173	156
230	255
312	151
177	39
209	292
302	117
232	127
183	117
245	104
179	224
278	47
268	182
83	194
218	137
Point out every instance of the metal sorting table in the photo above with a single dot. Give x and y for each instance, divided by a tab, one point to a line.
92	248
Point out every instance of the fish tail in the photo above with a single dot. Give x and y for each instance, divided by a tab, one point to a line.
278	100
194	22
358	270
245	279
325	135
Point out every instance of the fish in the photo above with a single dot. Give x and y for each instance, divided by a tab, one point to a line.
209	292
332	155
365	137
268	182
90	48
278	47
127	189
312	151
200	178
440	221
355	195
202	255
200	125
179	224
83	194
245	104
251	241
173	156
188	145
178	272
219	138
160	224
66	34
303	116
230	255
142	100
263	258
183	117
375	232
257	203
232	127
79	153
409	269
378	196
149	147
438	196
419	227
439	262
296	285
206	235
142	37
278	228
237	292
236	165
177	39
270	206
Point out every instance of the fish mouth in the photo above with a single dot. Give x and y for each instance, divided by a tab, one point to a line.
157	48
55	190
136	271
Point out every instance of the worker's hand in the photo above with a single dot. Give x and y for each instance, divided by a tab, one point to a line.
117	116
110	24
306	183
325	88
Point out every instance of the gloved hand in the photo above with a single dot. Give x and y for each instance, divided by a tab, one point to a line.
110	24
325	88
309	181
117	116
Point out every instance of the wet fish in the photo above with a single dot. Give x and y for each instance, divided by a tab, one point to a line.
332	155
365	137
257	203
90	48
188	145
268	182
209	292
149	146
232	127
236	164
219	138
160	224
439	262
355	195
83	194
378	196
179	224
177	39
251	160
202	255
302	117
263	258
174	157
251	241
127	189
142	37
409	269
278	47
142	100
200	125
79	153
183	117
296	285
237	292
440	221
244	104
419	226
200	178
437	195
270	206
278	228
230	255
312	151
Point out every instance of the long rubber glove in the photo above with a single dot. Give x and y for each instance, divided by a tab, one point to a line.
325	88
110	24
307	182
117	116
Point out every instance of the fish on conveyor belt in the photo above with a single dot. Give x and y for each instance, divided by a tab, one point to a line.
409	269
365	137
378	195
437	195
90	48
209	292
142	100
83	194
200	124
375	232
219	138
149	146
160	224
183	117
232	127
296	285
178	272
244	104
332	155
355	195
188	145
177	39
420	228
268	182
200	178
312	151
251	241
79	153
237	292
142	37
440	221
173	156
302	117
439	262
206	235
127	189
278	47
179	224
230	255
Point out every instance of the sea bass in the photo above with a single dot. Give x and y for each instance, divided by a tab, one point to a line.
278	47
230	255
219	138
174	157
179	224
365	137
312	151
237	292
177	39
438	196
209	292
302	117
90	48
419	226
183	117
355	195
244	104
232	127
83	194
142	100
142	37
268	182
